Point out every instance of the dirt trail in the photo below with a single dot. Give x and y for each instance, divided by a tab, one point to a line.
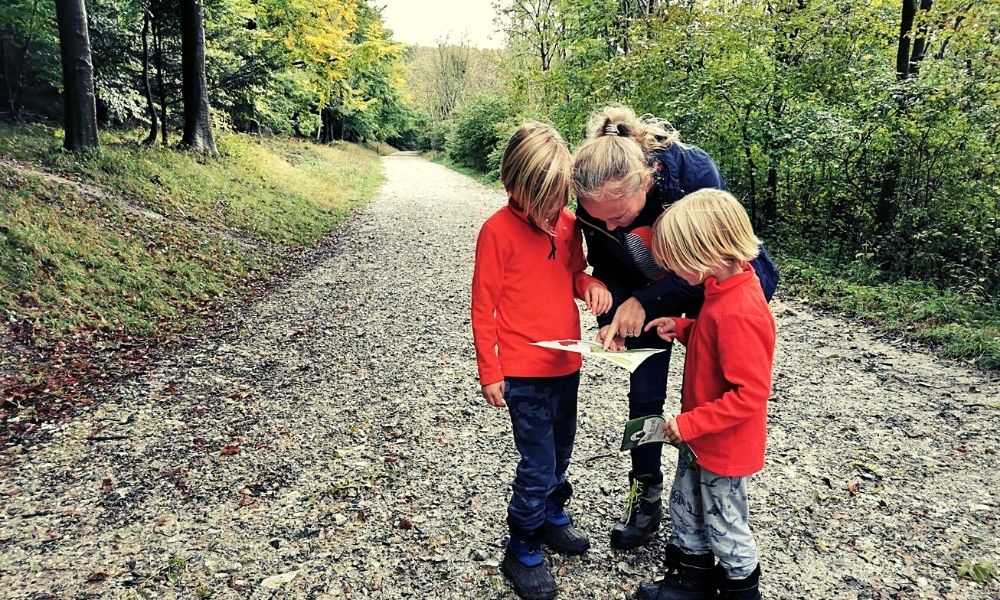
334	435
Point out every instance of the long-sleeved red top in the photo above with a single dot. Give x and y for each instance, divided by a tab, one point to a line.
522	292
727	376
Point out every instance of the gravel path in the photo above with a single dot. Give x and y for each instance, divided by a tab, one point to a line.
335	435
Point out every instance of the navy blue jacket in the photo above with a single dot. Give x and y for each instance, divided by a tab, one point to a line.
678	170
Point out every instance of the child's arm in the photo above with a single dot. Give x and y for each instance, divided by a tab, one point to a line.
487	286
587	288
671	328
746	350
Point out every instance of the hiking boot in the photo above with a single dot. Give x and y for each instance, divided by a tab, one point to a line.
558	533
687	577
524	566
740	589
643	512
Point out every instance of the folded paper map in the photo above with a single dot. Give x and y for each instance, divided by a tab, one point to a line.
629	359
649	430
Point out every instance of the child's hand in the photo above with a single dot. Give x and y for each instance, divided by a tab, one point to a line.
494	394
672	432
617	344
666	328
598	299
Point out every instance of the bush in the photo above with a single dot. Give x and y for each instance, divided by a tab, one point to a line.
475	132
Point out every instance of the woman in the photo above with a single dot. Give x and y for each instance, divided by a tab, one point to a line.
624	175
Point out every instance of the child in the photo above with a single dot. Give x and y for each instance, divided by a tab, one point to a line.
706	237
529	266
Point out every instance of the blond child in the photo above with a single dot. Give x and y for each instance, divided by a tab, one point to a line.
707	238
529	266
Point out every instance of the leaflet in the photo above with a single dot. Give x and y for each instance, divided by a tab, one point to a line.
628	359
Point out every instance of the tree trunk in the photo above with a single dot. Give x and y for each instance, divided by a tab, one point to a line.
919	43
147	91
197	119
78	76
160	88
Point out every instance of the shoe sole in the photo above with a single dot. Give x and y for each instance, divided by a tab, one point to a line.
520	592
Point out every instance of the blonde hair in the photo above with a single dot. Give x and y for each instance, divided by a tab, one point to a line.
535	172
617	151
702	231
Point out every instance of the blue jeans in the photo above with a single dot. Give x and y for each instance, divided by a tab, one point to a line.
543	416
646	395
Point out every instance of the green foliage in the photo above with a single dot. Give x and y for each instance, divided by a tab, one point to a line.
272	65
880	180
478	125
980	572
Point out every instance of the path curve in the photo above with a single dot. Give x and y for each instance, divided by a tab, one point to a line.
335	436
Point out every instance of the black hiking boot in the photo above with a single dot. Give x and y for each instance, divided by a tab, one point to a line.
643	512
558	533
524	566
738	589
687	577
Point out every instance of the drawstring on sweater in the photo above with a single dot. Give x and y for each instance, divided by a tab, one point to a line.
552	241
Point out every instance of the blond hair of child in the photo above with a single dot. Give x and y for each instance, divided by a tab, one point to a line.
705	231
535	171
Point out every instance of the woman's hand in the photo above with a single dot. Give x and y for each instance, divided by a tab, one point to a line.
627	322
494	394
666	328
598	299
617	344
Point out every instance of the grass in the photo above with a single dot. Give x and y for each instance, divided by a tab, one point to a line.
956	325
72	261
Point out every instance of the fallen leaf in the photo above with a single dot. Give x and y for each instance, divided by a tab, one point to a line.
11	492
405	524
97	577
852	488
276	581
230	449
106	486
246	501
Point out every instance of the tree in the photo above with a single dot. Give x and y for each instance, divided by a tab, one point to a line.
197	118
78	76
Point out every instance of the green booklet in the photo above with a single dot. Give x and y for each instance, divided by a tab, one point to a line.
649	430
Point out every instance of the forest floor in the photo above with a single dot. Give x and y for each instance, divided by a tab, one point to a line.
330	441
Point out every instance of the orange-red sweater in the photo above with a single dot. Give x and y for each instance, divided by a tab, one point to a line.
727	376
520	295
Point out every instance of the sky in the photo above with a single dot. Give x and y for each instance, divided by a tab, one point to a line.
423	22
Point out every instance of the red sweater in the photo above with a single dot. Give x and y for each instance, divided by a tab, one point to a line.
520	295
727	376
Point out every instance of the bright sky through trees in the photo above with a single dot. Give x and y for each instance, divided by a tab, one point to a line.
424	22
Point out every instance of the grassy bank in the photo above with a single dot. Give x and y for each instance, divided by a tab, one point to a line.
107	253
956	325
127	236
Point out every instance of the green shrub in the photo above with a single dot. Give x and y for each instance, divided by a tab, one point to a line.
474	134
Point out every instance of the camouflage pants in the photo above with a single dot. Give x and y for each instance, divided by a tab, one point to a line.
709	514
543	418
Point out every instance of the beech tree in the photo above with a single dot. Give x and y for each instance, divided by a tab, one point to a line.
197	118
80	105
